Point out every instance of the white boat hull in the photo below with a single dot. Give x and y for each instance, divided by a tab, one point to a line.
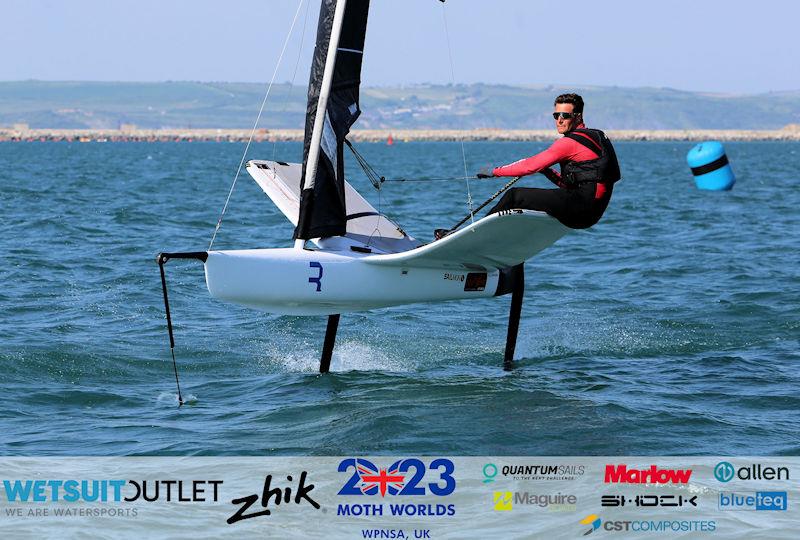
308	282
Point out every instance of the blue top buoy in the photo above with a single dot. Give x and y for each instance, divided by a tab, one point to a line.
710	166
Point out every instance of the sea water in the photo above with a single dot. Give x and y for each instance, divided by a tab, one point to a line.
669	328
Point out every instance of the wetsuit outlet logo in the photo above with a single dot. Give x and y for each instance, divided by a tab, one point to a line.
621	474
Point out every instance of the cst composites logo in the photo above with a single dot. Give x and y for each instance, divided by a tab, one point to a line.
621	474
595	523
724	471
404	477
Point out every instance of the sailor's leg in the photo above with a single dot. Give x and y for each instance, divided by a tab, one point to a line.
552	201
327	347
517	292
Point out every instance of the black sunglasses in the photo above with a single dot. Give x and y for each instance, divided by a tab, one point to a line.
564	115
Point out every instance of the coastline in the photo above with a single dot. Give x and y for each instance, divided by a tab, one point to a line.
790	133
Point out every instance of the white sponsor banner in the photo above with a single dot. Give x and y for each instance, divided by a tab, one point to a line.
400	497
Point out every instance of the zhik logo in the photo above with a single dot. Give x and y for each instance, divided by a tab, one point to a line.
277	495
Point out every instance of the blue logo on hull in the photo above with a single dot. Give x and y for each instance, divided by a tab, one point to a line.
318	279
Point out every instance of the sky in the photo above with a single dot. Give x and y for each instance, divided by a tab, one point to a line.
732	46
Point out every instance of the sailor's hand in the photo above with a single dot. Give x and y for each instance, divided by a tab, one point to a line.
485	172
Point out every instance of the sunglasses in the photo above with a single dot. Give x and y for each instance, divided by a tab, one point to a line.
564	115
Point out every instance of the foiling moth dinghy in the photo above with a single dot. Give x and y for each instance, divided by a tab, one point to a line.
348	257
375	263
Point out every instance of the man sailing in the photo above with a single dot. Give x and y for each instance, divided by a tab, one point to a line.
589	169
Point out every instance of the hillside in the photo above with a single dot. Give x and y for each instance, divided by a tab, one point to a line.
176	105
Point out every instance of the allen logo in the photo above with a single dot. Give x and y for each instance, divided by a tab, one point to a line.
725	472
503	501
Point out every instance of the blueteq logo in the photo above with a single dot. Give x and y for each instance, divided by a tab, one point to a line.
760	500
404	477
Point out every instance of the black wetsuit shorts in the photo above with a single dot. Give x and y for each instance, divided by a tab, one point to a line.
576	208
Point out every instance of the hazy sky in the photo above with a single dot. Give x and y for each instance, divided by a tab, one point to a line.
708	45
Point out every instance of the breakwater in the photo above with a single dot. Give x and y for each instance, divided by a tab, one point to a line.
789	133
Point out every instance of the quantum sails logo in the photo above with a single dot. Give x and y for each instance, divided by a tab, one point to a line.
533	472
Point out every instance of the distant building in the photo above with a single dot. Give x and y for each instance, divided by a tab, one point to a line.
127	128
21	127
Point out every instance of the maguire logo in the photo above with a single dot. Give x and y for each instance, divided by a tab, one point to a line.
760	500
503	501
620	474
724	471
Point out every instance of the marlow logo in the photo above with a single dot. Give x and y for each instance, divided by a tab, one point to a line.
592	520
621	474
503	501
725	472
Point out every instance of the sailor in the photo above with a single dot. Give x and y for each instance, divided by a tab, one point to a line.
588	165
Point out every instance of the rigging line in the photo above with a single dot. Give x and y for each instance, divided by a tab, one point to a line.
453	80
441	179
255	125
294	73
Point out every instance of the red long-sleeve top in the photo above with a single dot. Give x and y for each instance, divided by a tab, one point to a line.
561	151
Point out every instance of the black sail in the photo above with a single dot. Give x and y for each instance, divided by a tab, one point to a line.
322	206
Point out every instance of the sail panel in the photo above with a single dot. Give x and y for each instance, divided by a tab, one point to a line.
322	206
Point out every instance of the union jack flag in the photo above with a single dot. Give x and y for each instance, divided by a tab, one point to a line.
375	480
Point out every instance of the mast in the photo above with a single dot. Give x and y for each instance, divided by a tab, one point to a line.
333	106
322	104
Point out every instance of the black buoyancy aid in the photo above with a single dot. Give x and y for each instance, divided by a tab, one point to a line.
604	168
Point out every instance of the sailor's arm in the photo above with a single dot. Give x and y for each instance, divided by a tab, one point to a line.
558	151
553	176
